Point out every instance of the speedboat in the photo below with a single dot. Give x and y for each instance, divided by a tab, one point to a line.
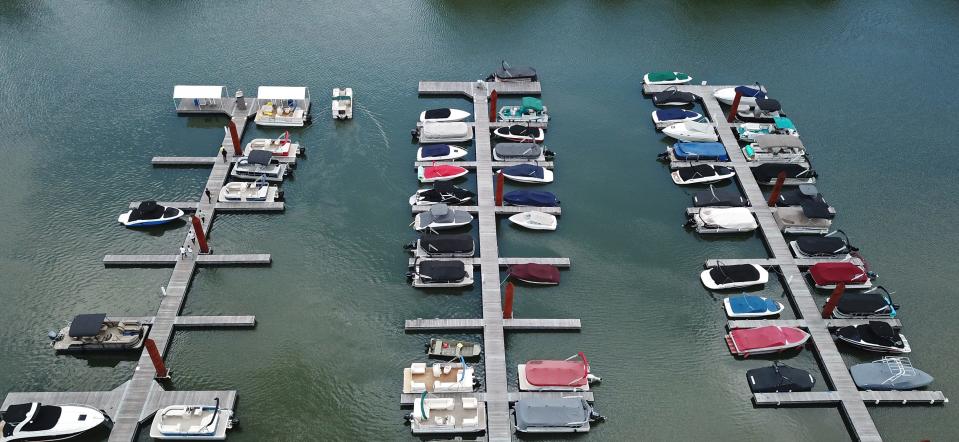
775	148
521	152
747	95
442	192
532	273
443	115
746	342
444	415
674	97
37	422
751	306
456	132
245	191
443	172
513	73
94	332
779	378
441	274
796	174
279	147
535	198
342	104
440	216
826	275
734	276
674	115
692	131
876	336
570	374
528	173
722	220
149	213
521	134
439	152
765	110
695	152
531	110
444	377
554	415
779	126
719	198
701	174
666	77
534	220
889	373
192	422
829	246
441	348
443	246
259	165
873	303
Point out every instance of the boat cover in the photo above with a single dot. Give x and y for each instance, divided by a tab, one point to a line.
532	104
889	374
551	412
666	76
829	273
784	123
86	325
16	413
772	141
524	170
727	217
441	271
442	170
150	210
720	197
516	72
752	304
673	96
769	171
674	114
875	332
545	373
758	338
734	273
524	131
536	198
821	246
700	151
865	303
518	150
768	105
259	156
698	126
45	418
438	113
779	378
442	213
702	171
444	130
447	243
446	192
435	150
747	91
535	272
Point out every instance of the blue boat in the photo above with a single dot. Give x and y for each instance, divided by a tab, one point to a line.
709	151
439	152
751	306
528	173
530	198
674	115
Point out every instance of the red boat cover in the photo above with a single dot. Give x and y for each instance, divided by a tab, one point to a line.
442	171
828	273
747	339
556	373
535	272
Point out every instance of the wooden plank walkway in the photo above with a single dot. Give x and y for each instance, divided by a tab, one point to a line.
190	206
499	210
472	164
206	161
918	397
470	89
167	260
407	399
830	323
504	262
529	324
775	262
197	321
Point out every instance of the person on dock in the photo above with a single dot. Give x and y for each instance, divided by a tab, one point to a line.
191	237
182	251
189	250
209	197
223	153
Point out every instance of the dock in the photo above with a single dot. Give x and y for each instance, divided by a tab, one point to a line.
498	210
844	392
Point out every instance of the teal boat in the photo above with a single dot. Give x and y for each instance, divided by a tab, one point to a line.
666	77
779	126
531	110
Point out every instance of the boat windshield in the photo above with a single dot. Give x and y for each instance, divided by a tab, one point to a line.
45	418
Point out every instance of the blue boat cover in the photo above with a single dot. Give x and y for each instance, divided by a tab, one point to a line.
700	151
752	304
435	150
528	170
783	123
673	114
747	91
531	198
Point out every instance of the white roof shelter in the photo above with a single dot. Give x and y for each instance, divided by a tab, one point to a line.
282	93
190	99
189	91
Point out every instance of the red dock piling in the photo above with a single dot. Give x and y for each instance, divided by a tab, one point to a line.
833	300
235	137
735	108
508	303
161	370
200	236
777	189
492	105
500	183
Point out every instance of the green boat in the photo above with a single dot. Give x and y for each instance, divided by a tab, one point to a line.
666	77
440	348
779	126
531	110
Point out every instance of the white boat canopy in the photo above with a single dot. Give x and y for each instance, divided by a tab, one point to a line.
190	91
282	93
201	99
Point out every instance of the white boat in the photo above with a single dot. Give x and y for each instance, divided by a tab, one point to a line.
440	216
722	220
674	115
751	306
192	422
701	174
521	134
691	131
457	132
259	165
666	77
530	111
748	95
782	148
342	103
521	152
439	152
443	377
279	147
443	115
36	422
440	274
282	106
149	213
724	277
459	415
245	191
528	173
534	220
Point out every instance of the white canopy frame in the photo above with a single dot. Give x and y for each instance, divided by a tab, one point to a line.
202	99
282	105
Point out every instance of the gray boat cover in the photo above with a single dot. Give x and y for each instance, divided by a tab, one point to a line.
770	141
527	151
87	325
888	375
552	412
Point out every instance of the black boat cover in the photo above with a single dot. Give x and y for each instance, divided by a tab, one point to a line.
822	246
769	171
806	196
45	418
863	303
779	378
525	131
528	151
442	271
261	157
551	412
702	171
446	192
148	210
734	273
438	113
719	198
86	325
768	105
875	332
447	243
673	96
17	413
515	72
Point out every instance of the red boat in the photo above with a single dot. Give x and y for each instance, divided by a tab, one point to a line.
535	273
827	274
443	172
570	374
770	339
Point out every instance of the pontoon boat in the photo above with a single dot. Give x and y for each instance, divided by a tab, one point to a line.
279	147
149	213
570	374
531	110
342	103
446	377
441	274
784	148
779	126
245	191
746	342
94	332
259	165
192	422
282	106
447	415
735	276
554	415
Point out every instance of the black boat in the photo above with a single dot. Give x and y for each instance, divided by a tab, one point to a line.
674	97
767	173
443	246
513	73
37	422
779	378
442	192
434	273
808	197
719	198
873	303
830	246
875	336
765	110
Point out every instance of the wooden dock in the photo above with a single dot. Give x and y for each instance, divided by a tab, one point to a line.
471	165
498	210
504	262
201	259
231	206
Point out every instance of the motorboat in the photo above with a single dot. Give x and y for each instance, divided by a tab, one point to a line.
747	95
279	147
94	332
701	174
521	152
513	73
282	106
873	304
779	378
442	192
453	132
803	211
447	415
342	104
674	115
534	198
719	198
691	131
534	220
570	374
751	306
796	173
149	213
441	274
765	110
442	348
532	273
826	275
780	126
875	336
443	115
674	97
245	191
666	77
443	246
808	197
685	151
440	217
775	148
889	373
37	422
530	110
528	173
521	134
443	172
439	152
259	165
746	342
735	276
192	422
722	220
442	377
554	415
830	246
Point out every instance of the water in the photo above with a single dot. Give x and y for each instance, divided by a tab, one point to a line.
86	90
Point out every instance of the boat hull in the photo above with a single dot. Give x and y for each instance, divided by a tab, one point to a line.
125	220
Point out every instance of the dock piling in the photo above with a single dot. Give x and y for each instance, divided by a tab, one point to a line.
493	96
500	182
200	235
161	372
235	138
833	300
777	189
508	303
732	111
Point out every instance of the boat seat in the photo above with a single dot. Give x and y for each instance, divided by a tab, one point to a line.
470	403
437	370
417	387
451	386
445	420
175	413
170	428
418	368
447	369
440	403
470	421
195	429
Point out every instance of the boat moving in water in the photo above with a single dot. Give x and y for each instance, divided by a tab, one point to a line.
735	276
94	332
192	422
570	374
342	104
889	373
149	213
37	422
779	378
554	415
746	342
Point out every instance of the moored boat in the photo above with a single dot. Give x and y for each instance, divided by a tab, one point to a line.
873	303
441	348
891	373
278	147
784	148
442	172
722	220
521	134
701	174
666	77
95	332
830	246
734	276
192	422
554	415
780	126
440	274
453	132
246	191
528	173
826	275
534	198
779	378
674	97
534	273
746	342
443	115
442	192
691	131
34	421
765	110
446	415
747	95
531	110
674	115
534	220
751	306
521	152
149	213
439	152
443	246
259	165
718	198
570	374
875	336
446	377
513	73
796	173
440	217
698	151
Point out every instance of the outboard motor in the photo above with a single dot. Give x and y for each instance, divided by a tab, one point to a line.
663	157
54	336
592	379
410	246
594	416
409	276
548	154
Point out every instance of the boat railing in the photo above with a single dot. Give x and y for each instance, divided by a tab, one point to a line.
899	366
